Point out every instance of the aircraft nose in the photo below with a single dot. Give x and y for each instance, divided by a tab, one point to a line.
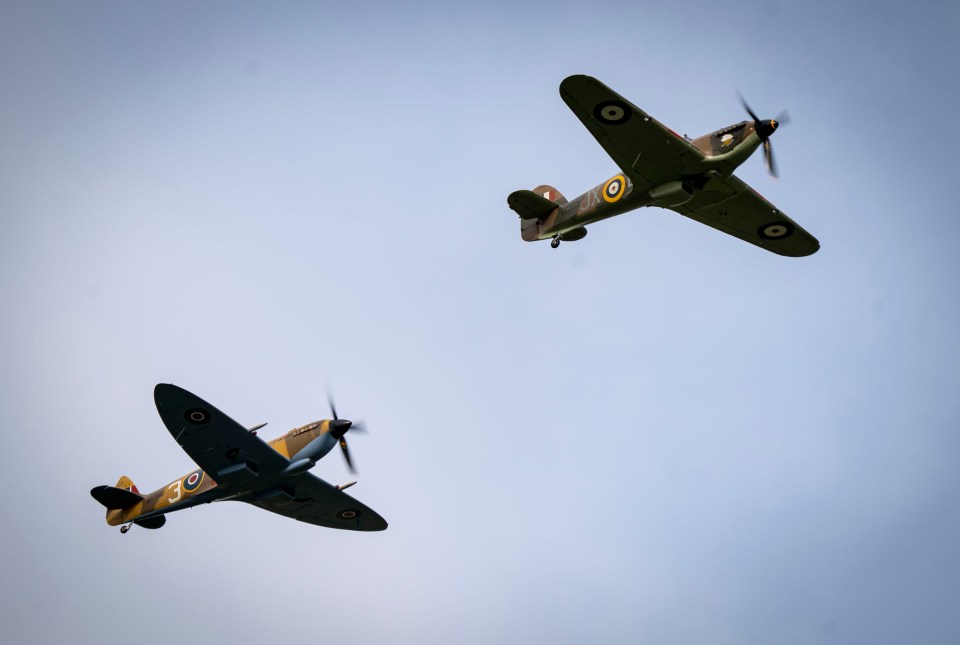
339	427
766	128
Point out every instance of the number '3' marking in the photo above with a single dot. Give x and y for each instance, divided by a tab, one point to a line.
176	489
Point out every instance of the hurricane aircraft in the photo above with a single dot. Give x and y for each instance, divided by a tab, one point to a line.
237	465
693	177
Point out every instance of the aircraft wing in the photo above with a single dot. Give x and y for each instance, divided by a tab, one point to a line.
646	150
314	501
223	448
731	206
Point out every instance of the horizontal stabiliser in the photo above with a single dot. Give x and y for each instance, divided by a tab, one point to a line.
115	498
529	205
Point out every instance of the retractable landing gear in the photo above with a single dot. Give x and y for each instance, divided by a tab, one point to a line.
126	527
555	242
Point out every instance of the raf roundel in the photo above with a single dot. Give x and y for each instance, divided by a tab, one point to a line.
197	416
775	230
612	112
348	514
193	480
614	188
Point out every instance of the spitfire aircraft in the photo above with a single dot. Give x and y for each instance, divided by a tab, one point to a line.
693	177
237	465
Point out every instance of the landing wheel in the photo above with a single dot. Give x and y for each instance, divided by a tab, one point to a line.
124	528
555	242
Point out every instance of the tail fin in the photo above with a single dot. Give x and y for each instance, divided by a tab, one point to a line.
551	193
534	206
127	483
123	495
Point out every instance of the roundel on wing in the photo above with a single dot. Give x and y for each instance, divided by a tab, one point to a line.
348	514
775	230
614	188
197	416
193	480
612	112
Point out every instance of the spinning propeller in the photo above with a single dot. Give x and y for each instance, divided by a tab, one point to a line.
339	427
764	130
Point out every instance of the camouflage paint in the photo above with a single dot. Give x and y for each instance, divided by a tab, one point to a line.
690	176
179	494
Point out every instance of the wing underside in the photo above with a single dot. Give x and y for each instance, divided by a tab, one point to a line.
731	206
645	149
310	499
223	448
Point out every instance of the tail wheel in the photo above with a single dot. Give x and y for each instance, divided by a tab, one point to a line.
555	242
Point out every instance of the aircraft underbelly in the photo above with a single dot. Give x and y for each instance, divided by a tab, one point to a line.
665	170
576	217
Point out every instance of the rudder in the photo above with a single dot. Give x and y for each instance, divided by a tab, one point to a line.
551	193
127	483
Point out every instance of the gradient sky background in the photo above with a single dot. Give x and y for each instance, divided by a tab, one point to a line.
659	434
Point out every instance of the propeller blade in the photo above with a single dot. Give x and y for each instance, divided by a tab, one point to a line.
339	427
765	130
768	155
746	107
346	454
333	407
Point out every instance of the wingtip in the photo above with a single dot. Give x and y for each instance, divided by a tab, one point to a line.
813	248
374	522
161	391
166	389
807	252
575	78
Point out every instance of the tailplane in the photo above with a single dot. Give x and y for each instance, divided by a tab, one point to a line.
533	207
123	495
120	501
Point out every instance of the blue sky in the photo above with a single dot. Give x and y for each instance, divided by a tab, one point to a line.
659	433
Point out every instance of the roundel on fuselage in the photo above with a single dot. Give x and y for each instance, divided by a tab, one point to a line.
614	188
193	480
